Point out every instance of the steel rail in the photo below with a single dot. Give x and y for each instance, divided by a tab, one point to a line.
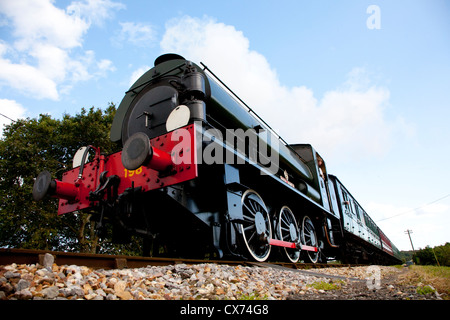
106	261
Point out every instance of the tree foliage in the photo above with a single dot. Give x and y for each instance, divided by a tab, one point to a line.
428	255
27	147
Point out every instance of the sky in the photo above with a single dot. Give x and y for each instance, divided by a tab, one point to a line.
365	82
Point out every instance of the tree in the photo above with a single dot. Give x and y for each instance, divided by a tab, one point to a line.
29	146
428	255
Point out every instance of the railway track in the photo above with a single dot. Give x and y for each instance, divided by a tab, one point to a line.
167	279
106	261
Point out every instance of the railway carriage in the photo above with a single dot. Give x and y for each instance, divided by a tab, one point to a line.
365	242
201	173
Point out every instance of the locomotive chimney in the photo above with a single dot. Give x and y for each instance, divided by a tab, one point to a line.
168	57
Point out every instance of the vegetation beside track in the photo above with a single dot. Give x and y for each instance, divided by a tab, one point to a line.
425	276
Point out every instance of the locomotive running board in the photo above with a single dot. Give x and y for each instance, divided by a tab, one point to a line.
292	245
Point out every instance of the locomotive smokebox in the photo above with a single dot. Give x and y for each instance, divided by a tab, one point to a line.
137	152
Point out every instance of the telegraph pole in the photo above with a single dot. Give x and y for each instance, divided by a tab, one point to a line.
409	234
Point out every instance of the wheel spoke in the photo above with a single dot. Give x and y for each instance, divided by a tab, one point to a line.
248	219
254	205
255	226
253	213
250	227
286	223
251	237
283	219
310	238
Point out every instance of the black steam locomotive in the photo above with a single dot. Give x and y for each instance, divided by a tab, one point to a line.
200	173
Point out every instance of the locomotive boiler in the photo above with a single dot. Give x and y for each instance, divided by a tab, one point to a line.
201	173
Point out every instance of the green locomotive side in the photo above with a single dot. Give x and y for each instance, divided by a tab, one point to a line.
210	103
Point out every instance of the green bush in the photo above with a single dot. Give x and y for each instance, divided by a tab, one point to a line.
431	256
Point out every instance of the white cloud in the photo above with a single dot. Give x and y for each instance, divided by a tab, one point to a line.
104	66
138	34
46	57
10	109
137	74
51	60
426	220
352	122
40	21
348	121
94	11
27	79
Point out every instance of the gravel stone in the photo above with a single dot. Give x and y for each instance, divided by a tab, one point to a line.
22	284
50	292
10	274
202	281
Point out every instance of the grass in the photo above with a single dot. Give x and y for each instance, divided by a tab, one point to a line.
424	290
424	276
323	285
253	296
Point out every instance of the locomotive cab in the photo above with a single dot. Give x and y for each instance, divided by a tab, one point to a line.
320	182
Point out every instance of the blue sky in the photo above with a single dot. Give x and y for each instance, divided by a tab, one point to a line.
372	98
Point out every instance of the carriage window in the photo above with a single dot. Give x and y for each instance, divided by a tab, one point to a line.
346	200
363	216
353	206
357	211
344	195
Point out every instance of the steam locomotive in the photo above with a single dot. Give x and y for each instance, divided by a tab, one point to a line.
200	173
